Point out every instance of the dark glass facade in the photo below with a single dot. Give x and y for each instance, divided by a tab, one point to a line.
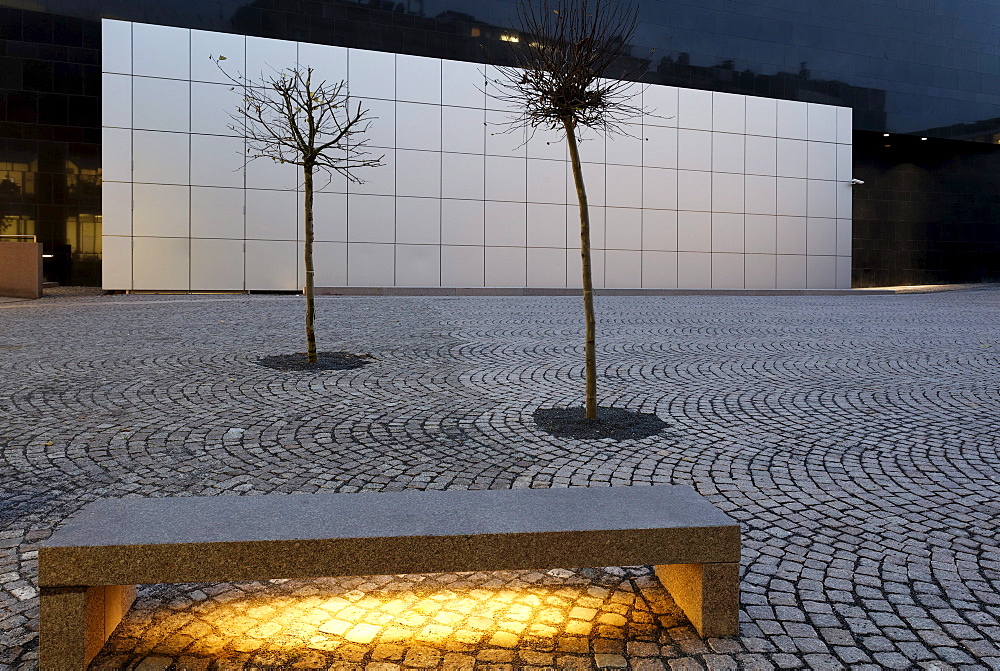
928	212
927	68
50	135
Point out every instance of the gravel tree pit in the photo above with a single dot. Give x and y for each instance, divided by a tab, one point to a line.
613	423
324	361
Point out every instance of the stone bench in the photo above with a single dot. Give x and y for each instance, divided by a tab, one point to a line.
88	569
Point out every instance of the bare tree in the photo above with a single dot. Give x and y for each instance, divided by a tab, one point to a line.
286	117
557	83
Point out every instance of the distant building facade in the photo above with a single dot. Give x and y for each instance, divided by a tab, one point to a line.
929	210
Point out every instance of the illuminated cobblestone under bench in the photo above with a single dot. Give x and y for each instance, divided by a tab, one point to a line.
88	569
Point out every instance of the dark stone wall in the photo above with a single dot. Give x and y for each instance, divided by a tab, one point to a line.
928	212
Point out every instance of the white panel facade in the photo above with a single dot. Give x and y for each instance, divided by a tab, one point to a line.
709	190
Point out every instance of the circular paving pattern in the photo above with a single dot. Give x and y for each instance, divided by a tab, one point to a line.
854	438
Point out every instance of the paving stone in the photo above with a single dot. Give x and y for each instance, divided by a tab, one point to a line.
720	663
854	438
784	661
646	664
891	660
851	655
610	661
954	655
755	662
877	644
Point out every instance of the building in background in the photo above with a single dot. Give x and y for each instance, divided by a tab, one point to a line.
929	210
704	190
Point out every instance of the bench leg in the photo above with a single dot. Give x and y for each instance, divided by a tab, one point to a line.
709	594
75	622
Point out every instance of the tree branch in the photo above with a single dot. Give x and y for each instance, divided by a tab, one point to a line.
288	118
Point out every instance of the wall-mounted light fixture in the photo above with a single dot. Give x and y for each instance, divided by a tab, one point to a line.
923	138
48	256
885	135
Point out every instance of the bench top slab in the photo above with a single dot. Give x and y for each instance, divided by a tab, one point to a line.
303	517
205	539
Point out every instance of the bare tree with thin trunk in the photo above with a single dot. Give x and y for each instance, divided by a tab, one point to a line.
557	83
286	117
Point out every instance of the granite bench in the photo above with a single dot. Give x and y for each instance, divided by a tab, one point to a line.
88	569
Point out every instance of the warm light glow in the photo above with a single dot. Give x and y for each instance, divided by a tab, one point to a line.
437	614
510	38
48	256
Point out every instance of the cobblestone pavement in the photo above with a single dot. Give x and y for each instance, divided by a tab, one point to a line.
854	438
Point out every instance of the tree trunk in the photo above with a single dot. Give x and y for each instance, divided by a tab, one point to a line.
588	283
310	273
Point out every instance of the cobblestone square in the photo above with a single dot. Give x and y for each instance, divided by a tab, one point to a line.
855	439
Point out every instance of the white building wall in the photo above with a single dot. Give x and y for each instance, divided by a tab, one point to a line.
711	190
